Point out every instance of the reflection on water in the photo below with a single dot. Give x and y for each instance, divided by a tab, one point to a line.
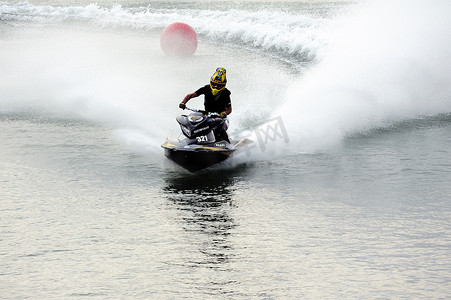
204	207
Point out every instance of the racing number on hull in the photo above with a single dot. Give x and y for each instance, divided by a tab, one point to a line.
202	138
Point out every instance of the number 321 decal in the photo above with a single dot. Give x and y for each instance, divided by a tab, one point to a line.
202	138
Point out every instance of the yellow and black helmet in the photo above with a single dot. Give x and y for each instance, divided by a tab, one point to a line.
218	81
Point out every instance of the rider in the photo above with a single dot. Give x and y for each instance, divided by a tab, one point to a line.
217	98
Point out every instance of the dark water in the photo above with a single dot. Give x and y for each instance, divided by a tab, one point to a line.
355	203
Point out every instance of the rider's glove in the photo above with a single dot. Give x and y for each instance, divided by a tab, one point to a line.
182	105
223	115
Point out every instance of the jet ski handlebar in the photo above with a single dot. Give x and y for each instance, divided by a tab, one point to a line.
208	114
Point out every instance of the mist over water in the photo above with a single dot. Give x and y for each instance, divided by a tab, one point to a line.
387	61
124	81
78	75
377	64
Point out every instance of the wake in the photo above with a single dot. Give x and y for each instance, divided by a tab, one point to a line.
387	62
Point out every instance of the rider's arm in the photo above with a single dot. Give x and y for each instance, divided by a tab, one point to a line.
189	96
228	110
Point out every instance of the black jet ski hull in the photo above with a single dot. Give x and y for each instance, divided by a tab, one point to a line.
196	160
195	157
203	142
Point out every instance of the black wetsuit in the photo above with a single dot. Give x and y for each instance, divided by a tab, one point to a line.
217	104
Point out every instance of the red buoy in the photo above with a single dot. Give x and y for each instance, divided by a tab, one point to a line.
178	39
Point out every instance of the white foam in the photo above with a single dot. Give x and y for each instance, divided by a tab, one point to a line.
387	62
290	33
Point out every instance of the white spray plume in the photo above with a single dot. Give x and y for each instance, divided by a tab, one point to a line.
387	62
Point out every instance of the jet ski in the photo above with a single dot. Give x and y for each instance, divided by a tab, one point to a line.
203	142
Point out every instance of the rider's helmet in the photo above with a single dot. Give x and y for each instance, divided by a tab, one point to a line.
218	81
